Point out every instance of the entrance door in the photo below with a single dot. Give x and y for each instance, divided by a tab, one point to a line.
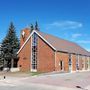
61	65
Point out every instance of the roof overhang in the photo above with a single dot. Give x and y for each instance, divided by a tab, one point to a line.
34	31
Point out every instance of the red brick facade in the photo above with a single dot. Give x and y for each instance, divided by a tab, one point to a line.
23	39
73	57
61	57
46	57
80	62
25	54
45	60
48	60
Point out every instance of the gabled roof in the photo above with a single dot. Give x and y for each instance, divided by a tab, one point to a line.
64	45
34	31
59	44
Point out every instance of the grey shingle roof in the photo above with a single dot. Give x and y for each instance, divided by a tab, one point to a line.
64	45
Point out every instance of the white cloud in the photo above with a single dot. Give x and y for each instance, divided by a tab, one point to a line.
66	24
88	49
76	35
84	41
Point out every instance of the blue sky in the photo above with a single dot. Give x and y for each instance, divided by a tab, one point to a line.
68	19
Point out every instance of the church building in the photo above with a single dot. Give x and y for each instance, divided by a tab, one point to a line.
42	52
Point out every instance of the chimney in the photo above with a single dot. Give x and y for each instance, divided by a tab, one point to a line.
24	35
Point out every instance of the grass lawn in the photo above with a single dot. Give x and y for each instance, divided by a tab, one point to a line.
35	73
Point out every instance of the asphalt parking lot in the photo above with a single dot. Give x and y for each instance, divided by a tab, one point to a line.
64	81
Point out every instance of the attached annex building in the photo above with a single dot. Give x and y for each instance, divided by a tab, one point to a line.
41	52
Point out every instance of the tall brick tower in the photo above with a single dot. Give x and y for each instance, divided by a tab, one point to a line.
24	35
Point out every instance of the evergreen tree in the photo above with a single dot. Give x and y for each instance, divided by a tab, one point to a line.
10	45
31	27
36	26
1	60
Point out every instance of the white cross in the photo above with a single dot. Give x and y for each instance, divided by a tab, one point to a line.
23	33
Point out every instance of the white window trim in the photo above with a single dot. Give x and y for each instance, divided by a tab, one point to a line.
88	64
83	63
33	70
78	59
71	63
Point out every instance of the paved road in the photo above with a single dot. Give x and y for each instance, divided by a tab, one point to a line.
34	88
70	80
19	84
30	86
47	82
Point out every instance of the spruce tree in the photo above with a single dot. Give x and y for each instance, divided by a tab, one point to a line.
10	45
1	59
36	26
31	27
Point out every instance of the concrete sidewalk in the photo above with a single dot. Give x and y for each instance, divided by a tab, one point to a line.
19	85
67	81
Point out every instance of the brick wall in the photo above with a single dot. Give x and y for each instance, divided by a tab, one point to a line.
23	39
46	57
25	53
64	57
47	60
73	62
80	62
86	63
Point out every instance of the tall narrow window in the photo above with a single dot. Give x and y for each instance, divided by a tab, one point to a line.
77	62
62	65
87	63
34	51
83	62
70	63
